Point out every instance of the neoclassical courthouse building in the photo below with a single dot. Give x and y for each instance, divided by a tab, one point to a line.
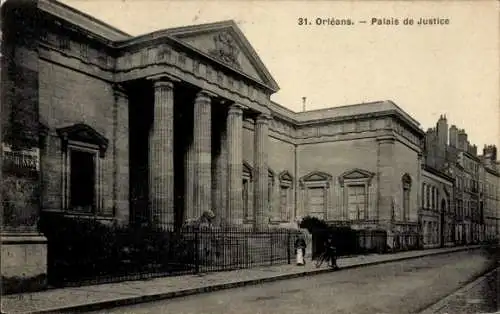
164	126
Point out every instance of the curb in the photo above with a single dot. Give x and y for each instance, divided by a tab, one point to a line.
433	308
100	305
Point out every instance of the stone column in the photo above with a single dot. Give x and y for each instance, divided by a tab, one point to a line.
261	171
121	156
161	155
202	158
235	164
221	175
189	181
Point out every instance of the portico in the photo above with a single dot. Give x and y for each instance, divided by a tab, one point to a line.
195	132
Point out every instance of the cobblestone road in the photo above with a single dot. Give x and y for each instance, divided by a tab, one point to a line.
401	287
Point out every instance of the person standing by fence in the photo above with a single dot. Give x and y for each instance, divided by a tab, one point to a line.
300	249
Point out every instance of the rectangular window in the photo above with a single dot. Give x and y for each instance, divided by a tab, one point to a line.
244	193
423	195
356	202
82	179
270	187
428	197
284	195
406	203
316	201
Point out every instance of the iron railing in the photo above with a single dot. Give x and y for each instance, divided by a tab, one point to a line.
87	252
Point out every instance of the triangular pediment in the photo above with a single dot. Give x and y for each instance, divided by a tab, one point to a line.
225	42
285	176
356	174
84	133
316	176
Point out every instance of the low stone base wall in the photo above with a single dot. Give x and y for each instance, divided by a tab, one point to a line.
23	262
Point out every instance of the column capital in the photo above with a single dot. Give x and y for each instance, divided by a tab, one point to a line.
204	96
236	109
163	80
263	118
119	90
206	93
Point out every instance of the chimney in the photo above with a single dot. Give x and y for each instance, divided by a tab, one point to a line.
453	136
490	152
303	103
442	131
462	140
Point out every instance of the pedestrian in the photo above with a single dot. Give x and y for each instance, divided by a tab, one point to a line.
331	252
300	250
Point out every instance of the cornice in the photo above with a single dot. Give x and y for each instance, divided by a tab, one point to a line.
228	25
154	41
438	173
84	22
492	171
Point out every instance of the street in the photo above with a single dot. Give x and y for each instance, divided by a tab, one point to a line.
400	287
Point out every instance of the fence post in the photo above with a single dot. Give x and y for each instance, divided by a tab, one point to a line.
197	251
272	247
288	248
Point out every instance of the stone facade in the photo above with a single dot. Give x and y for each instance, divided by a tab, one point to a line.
163	127
449	151
437	209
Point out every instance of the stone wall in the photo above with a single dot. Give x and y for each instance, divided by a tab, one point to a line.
336	158
68	97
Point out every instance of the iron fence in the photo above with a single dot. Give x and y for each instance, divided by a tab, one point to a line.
82	251
403	242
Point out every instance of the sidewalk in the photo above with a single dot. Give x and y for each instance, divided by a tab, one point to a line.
102	296
480	296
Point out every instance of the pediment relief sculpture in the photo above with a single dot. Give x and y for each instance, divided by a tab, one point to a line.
226	49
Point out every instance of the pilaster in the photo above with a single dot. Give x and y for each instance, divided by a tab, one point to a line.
121	155
386	191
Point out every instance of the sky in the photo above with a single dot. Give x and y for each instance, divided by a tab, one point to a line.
427	70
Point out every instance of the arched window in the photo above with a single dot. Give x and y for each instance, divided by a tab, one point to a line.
406	181
270	188
286	189
247	180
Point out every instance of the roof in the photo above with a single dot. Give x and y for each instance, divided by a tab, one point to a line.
82	20
346	111
121	39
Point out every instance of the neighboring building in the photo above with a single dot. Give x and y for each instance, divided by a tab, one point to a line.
437	213
457	158
490	191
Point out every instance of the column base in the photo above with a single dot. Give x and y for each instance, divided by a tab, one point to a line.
23	262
